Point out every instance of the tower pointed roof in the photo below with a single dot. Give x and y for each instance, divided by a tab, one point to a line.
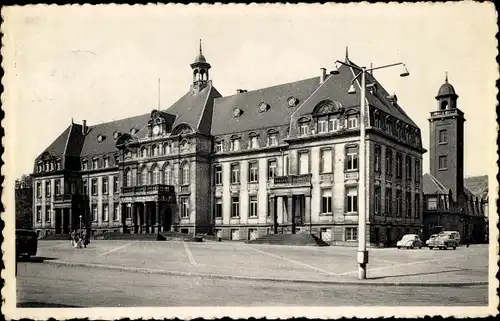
200	57
446	89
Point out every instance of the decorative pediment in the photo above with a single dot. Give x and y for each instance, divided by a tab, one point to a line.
182	129
327	106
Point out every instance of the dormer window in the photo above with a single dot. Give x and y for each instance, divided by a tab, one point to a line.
218	147
95	163
154	150
292	101
352	122
263	107
235	144
100	138
58	164
254	140
116	134
323	125
143	152
106	162
133	131
84	165
168	148
272	138
334	124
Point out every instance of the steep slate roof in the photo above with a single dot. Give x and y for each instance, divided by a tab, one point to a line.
75	141
430	185
477	185
57	146
278	113
190	107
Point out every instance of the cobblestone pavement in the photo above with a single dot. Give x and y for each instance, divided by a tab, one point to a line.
327	264
44	285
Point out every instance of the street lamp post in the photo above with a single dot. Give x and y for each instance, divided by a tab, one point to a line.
362	255
80	222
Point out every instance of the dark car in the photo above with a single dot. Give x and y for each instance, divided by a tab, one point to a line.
26	243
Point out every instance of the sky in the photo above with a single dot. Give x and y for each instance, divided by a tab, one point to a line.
101	63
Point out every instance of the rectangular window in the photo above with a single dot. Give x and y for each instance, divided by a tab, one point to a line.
377	200
417	170
399	202
105	185
378	156
235	174
326	202
388	162
47	189
443	162
273	140
352	200
303	163
106	162
105	212
85	188
184	207
351	233
388	200
334	124
408	167
352	122
93	186
304	129
285	165
47	214
253	206
442	136
235	145
218	175
253	172
399	165
84	165
57	187
432	203
326	161
38	214
38	189
116	185
322	125
352	158
94	212
128	213
408	204
116	211
95	163
235	206
271	169
218	147
218	207
417	205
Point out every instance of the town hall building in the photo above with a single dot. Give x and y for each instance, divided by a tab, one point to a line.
282	159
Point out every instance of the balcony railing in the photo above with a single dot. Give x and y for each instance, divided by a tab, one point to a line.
66	198
351	176
147	190
446	112
292	180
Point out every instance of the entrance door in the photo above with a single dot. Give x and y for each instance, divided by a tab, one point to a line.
58	221
167	218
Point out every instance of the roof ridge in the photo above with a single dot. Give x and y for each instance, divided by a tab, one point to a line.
67	138
209	92
311	95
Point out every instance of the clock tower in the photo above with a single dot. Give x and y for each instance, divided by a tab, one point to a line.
447	141
200	68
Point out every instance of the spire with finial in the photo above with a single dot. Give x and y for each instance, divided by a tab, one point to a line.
446	77
346	53
200	48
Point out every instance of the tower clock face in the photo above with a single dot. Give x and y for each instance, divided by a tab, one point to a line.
156	130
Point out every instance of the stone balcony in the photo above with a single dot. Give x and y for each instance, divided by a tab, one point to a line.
446	112
302	180
147	190
66	200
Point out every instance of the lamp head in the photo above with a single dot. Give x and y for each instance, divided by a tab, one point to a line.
351	90
404	72
335	69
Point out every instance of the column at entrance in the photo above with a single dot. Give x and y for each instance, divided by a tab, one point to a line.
307	213
279	212
145	217
290	212
157	216
140	219
71	219
123	216
272	213
63	220
134	218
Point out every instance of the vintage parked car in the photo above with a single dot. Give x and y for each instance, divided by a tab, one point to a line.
26	243
431	238
443	241
409	241
455	234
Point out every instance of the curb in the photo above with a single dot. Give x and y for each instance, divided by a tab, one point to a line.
250	278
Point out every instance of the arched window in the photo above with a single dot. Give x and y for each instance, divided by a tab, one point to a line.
143	152
128	178
144	176
156	176
167	175
167	148
444	105
185	174
153	150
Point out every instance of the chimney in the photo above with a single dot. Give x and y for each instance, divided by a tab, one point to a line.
322	76
84	127
239	91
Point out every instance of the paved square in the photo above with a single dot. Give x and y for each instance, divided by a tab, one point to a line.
279	262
